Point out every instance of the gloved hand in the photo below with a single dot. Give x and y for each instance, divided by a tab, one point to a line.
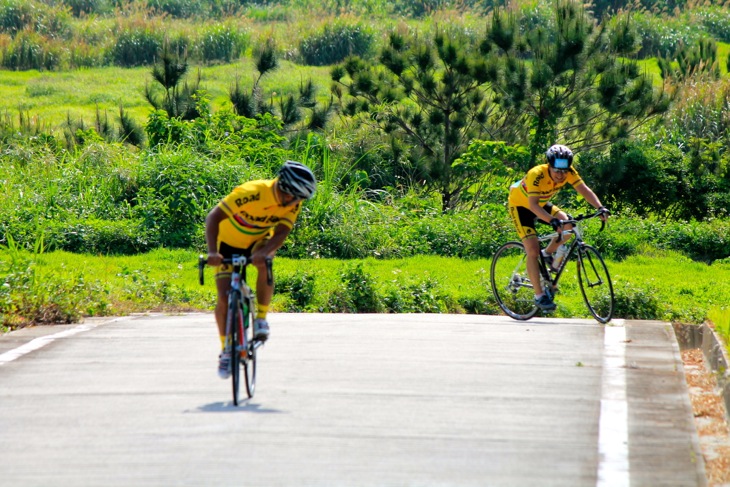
604	211
555	223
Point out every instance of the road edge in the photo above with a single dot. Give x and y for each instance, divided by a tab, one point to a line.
705	338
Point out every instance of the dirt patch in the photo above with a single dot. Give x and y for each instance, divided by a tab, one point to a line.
710	418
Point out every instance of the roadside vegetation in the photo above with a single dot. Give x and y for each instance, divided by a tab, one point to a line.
125	122
63	287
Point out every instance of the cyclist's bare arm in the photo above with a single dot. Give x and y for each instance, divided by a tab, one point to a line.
590	197
281	232
538	210
212	221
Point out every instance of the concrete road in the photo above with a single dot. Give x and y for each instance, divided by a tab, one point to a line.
349	400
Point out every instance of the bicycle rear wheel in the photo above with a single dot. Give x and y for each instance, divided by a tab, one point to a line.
510	283
595	283
236	340
249	362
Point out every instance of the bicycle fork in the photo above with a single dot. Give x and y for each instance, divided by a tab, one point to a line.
593	278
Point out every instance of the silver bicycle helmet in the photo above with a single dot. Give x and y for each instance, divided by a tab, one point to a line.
297	180
559	157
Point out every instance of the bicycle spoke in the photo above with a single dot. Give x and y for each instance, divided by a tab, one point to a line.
249	364
595	284
510	284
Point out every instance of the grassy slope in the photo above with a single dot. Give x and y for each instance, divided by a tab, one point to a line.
54	96
682	289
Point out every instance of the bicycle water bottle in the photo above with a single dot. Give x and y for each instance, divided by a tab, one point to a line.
559	256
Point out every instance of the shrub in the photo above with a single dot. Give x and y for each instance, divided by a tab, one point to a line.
22	15
141	289
537	13
14	15
177	189
83	55
480	305
702	241
334	42
662	35
359	290
221	42
715	20
255	141
418	295
639	177
135	46
90	7
300	289
179	8
92	235
31	294
635	303
416	8
29	50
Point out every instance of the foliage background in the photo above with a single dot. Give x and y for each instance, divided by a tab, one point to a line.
89	167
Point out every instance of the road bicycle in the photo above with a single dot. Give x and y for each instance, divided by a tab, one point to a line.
240	341
514	292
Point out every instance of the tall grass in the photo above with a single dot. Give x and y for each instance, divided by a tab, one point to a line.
720	318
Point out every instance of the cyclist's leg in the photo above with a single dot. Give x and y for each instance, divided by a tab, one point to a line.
264	290
532	249
223	285
560	215
524	222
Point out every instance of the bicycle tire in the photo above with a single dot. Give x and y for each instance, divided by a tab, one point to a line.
510	283
595	283
249	362
236	340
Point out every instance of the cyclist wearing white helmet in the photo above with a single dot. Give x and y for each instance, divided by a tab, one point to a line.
254	220
530	199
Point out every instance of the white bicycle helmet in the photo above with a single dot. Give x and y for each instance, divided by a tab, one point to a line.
297	180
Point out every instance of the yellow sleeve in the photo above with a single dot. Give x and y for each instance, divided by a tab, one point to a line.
574	178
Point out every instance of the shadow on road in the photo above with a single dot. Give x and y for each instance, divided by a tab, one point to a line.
228	407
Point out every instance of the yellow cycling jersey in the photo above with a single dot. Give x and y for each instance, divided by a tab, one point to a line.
537	182
253	211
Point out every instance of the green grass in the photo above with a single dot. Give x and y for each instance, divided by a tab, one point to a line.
723	50
53	96
719	316
684	290
664	286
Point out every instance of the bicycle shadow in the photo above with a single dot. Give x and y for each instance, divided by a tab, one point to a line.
243	407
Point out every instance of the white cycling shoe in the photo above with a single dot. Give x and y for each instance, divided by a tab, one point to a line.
260	329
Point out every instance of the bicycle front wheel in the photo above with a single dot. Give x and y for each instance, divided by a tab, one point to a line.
237	339
249	362
595	283
510	283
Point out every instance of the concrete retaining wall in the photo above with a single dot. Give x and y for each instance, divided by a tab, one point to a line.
704	337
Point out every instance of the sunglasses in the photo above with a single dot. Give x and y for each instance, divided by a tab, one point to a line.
561	171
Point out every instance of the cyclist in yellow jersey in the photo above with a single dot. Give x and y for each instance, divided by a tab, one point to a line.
254	220
530	199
